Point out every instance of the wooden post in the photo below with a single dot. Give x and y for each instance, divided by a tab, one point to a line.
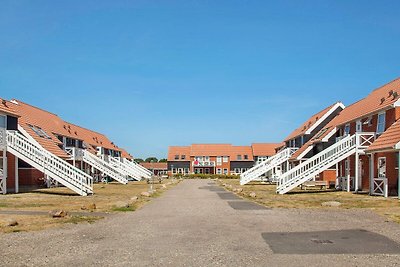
348	174
356	171
398	173
16	175
371	173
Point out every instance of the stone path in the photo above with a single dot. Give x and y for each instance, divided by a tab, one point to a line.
199	224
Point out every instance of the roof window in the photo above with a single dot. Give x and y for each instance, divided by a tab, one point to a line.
39	131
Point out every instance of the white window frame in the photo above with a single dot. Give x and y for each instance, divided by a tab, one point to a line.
382	167
174	171
225	159
225	171
382	124
219	171
219	160
359	126
347	129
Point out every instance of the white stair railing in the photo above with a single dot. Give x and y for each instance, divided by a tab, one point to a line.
124	168
266	166
104	167
339	151
48	163
145	173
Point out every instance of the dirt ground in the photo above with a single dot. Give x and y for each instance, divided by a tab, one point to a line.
108	198
313	199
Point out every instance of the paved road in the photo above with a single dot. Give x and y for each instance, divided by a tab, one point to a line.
197	224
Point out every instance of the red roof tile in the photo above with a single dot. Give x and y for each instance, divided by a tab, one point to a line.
387	140
314	121
265	149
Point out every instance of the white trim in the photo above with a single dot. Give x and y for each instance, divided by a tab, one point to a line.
397	103
308	149
329	135
397	146
324	117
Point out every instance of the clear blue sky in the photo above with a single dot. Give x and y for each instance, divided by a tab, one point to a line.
150	74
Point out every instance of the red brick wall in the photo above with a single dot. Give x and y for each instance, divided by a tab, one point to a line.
328	175
30	177
10	171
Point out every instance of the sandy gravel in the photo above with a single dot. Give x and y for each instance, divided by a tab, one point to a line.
189	226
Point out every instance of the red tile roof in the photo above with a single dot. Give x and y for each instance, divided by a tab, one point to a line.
264	149
314	121
155	165
7	107
388	140
179	150
53	126
380	99
210	150
125	154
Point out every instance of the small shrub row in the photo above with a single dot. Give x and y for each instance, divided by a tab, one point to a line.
205	176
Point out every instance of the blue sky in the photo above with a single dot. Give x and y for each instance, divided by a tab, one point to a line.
150	74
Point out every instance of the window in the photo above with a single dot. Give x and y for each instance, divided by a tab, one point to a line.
225	159
183	156
358	126
236	170
246	157
347	129
176	156
225	171
380	128
180	170
206	158
382	167
219	161
219	171
39	131
2	121
173	170
186	170
239	157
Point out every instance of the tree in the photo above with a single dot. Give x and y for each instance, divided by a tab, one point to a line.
163	160
138	160
151	159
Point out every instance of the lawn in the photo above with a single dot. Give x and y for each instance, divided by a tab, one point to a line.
266	195
108	198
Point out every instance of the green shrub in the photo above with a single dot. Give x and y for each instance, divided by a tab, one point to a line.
205	176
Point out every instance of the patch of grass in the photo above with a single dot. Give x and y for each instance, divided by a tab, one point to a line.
124	209
300	199
3	205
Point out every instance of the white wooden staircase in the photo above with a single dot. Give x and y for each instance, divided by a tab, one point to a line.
327	158
48	163
104	167
125	168
265	166
144	173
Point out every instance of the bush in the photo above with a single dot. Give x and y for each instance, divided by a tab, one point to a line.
205	176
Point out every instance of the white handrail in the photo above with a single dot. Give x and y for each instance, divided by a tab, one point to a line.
49	164
144	172
337	152
267	165
103	166
125	168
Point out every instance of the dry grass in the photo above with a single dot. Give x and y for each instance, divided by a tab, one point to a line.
266	195
107	198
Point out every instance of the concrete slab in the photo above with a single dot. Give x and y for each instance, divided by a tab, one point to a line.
245	205
353	241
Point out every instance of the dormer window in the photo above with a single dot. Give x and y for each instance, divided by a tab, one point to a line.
183	157
176	157
246	157
239	157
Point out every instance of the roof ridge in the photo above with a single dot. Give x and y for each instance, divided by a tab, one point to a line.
380	87
19	101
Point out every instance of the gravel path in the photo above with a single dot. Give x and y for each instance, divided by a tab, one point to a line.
193	225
